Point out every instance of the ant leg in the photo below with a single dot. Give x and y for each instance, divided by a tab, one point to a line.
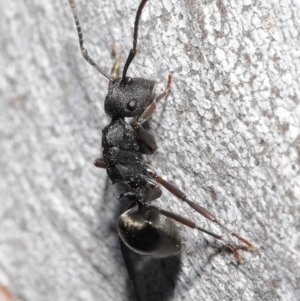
151	108
147	138
82	49
192	225
182	196
151	191
100	163
147	141
117	54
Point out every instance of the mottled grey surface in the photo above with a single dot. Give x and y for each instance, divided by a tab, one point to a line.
229	135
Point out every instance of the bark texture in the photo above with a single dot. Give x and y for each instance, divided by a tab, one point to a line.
228	135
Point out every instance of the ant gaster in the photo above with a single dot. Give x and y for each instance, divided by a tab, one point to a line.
143	228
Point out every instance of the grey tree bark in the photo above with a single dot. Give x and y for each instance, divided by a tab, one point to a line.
228	135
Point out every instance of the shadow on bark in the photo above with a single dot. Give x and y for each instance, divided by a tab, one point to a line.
156	278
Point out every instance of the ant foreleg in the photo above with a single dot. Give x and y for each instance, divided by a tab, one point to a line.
151	108
147	141
151	191
192	225
147	138
182	196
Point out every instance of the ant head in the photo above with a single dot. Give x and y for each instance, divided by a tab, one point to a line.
128	99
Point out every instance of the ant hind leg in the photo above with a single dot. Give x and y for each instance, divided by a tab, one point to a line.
193	225
182	196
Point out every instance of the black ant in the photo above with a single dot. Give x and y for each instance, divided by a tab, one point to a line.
143	228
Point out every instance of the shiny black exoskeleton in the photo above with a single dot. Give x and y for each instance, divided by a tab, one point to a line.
121	154
157	235
122	148
143	228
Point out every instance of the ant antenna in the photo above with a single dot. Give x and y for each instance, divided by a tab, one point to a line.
133	51
83	50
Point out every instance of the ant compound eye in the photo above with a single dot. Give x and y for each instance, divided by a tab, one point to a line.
131	105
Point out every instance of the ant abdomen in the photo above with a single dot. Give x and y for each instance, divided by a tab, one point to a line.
147	232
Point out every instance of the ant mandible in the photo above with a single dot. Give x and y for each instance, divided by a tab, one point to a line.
143	228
